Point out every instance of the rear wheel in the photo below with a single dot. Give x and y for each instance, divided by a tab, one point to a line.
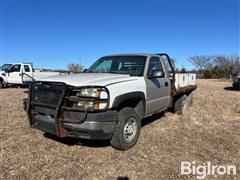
127	129
1	85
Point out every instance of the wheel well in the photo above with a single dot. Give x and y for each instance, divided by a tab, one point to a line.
137	103
134	100
180	95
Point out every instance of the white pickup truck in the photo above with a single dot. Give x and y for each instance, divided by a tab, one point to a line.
12	74
110	99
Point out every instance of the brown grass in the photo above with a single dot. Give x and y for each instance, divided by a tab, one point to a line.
209	131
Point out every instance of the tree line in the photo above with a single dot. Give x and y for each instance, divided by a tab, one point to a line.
216	66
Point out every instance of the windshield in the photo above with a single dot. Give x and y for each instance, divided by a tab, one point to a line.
5	66
131	65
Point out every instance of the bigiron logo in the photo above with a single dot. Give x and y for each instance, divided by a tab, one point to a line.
201	171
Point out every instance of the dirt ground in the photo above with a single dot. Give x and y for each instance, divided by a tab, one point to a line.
209	131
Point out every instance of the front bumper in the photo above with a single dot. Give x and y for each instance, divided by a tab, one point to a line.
63	122
95	126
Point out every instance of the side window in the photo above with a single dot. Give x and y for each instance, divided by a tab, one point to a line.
26	68
154	64
15	68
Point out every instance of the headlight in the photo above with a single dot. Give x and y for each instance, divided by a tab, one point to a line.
91	92
91	98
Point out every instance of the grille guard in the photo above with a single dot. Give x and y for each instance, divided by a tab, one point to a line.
59	107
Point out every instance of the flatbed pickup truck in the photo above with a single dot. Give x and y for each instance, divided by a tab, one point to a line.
109	100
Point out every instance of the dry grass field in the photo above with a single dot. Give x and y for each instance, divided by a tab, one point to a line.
209	131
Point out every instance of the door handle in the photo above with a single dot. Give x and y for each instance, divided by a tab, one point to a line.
166	83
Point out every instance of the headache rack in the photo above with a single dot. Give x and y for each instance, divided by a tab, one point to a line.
181	83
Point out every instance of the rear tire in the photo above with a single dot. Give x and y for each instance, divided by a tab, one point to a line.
127	129
1	85
180	105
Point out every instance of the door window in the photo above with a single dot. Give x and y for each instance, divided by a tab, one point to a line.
154	64
26	68
15	68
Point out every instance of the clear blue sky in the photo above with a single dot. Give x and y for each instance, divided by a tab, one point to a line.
52	34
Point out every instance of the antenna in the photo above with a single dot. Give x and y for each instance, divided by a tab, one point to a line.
80	56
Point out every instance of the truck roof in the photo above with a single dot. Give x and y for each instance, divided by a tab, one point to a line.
19	63
132	54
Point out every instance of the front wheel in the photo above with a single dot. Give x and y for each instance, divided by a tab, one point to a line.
127	129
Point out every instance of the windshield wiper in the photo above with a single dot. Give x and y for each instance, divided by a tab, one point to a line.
118	72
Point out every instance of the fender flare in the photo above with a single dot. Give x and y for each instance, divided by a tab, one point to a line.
126	96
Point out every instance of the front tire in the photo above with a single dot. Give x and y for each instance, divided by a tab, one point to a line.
127	129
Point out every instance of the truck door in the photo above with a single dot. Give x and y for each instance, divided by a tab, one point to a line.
158	89
14	74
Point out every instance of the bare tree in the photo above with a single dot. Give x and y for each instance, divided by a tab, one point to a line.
235	62
223	64
227	65
201	62
75	67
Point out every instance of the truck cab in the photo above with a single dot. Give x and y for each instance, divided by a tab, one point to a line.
12	74
110	99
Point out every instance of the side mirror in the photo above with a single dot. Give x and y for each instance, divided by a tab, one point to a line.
26	79
157	73
4	74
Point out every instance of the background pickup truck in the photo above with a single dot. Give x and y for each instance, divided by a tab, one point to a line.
236	82
12	74
109	100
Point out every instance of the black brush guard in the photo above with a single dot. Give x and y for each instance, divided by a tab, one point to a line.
50	105
44	104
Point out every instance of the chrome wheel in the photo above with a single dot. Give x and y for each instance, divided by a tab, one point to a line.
130	130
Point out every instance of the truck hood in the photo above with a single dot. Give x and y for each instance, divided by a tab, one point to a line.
93	79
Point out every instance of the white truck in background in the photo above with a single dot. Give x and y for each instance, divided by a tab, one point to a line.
12	74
